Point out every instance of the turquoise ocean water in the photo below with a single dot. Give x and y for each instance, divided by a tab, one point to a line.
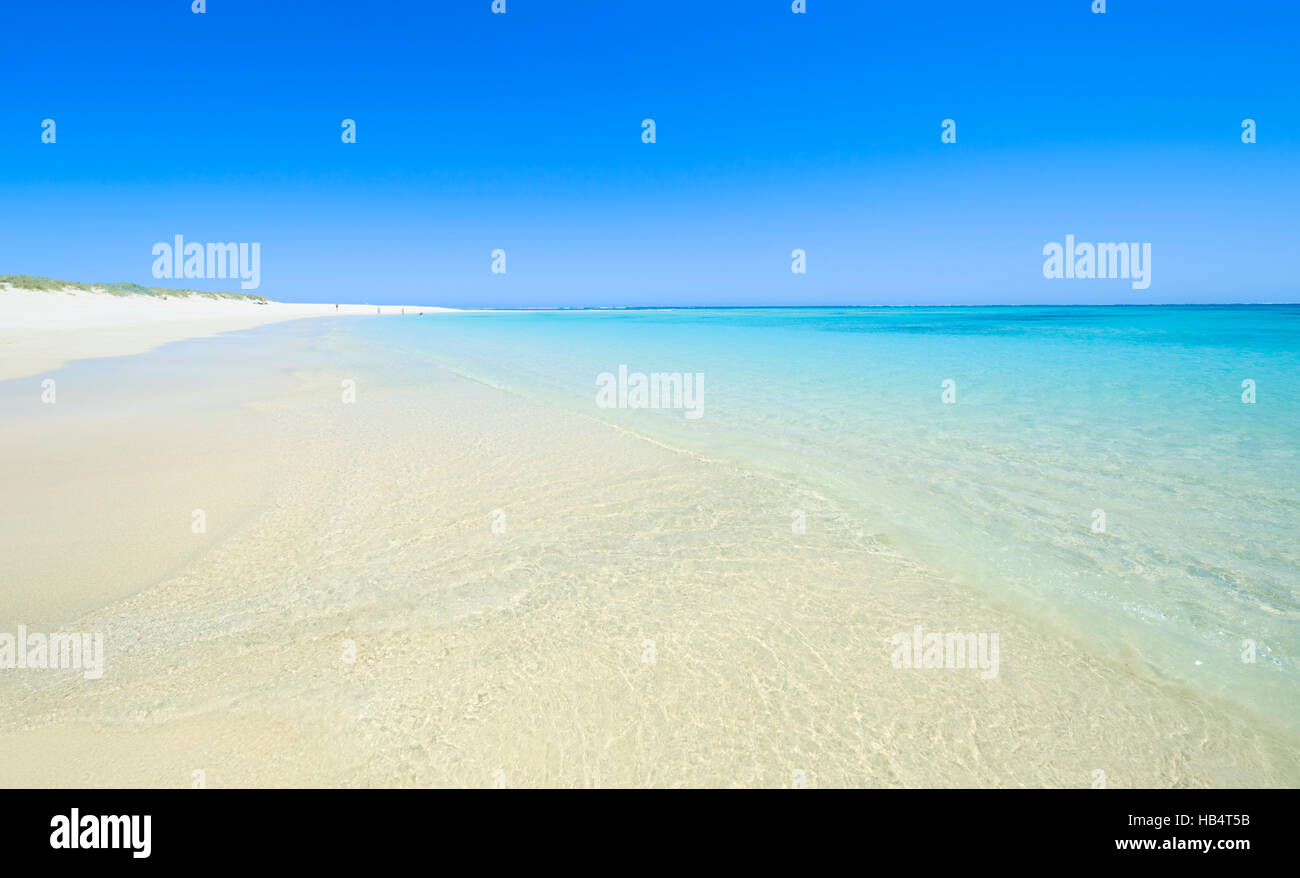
1061	415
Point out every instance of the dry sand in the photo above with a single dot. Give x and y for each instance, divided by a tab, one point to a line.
41	330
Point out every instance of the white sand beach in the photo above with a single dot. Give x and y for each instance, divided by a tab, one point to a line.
42	329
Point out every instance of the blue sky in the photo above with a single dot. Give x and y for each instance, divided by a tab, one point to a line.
775	131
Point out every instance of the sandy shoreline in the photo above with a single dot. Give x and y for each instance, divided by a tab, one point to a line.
354	615
42	330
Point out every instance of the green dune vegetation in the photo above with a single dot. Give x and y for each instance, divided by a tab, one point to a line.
28	282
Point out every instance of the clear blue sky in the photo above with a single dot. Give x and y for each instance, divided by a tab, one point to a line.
775	131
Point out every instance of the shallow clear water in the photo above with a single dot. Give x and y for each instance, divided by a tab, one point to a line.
644	617
1061	415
